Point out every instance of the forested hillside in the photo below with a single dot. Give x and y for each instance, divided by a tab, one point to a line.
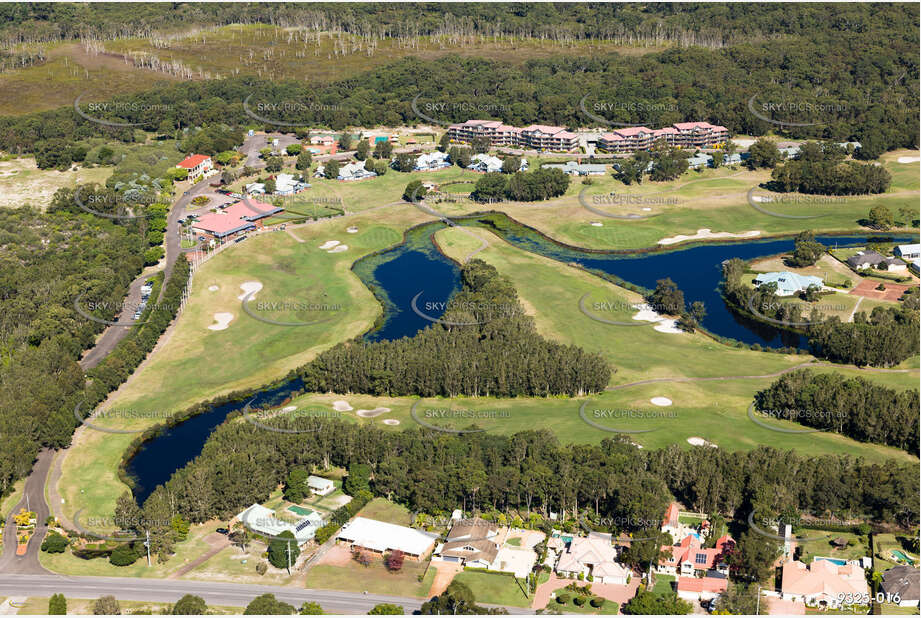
824	81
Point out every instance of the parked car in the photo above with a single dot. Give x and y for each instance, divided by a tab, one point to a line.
222	531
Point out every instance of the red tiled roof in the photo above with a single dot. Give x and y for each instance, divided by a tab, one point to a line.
693	125
631	131
702	584
192	161
671	515
221	224
251	210
689	550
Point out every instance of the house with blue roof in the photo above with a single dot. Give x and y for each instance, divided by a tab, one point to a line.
788	283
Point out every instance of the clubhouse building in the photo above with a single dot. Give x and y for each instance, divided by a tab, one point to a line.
235	220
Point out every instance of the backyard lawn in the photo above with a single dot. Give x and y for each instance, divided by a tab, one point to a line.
384	510
821	545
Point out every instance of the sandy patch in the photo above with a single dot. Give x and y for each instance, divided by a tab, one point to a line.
352	230
390	421
705	233
668	325
339	249
597	224
372	413
695	441
329	244
664	324
213	288
909	159
289	409
223	320
249	287
647	209
660	401
342	406
637	445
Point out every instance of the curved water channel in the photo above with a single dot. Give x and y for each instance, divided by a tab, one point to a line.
416	269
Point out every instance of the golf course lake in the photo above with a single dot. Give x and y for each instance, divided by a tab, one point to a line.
415	269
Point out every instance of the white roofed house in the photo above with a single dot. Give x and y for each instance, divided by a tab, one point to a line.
355	171
595	556
908	252
263	521
380	537
432	161
320	486
788	283
485	163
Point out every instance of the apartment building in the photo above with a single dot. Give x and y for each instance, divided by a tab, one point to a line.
681	135
535	136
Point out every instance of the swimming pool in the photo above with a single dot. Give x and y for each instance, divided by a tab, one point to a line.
299	510
901	556
837	561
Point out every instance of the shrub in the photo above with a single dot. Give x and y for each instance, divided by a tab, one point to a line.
563	599
54	543
579	601
123	555
261	568
596	602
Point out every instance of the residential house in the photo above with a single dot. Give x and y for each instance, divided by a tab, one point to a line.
355	171
698	161
261	520
196	164
320	172
689	557
670	522
788	283
823	583
908	252
287	184
578	169
702	588
903	582
320	486
322	140
381	537
485	163
592	555
470	542
871	259
432	161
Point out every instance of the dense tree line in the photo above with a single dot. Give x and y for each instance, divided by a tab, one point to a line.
888	336
821	168
715	85
609	485
885	337
483	345
541	184
47	261
854	407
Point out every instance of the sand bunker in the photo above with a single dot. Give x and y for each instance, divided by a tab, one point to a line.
289	409
329	244
390	421
705	233
213	288
664	325
339	249
249	287
597	224
660	401
352	230
341	406
700	442
372	413
909	159
668	325
222	319
647	209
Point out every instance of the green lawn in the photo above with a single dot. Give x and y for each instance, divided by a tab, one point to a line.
514	542
84	607
607	607
891	609
663	584
494	588
384	510
885	543
820	547
375	578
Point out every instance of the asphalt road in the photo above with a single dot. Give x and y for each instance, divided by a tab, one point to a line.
170	591
34	498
